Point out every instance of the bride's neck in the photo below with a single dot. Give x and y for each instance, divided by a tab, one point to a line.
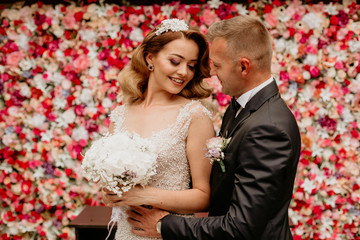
156	98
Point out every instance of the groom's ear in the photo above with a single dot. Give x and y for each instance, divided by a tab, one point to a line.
244	66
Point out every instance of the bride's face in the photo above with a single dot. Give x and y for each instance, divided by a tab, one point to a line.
174	65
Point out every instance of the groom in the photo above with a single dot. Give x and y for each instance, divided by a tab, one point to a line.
251	199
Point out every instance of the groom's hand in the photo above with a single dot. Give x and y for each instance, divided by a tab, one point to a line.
144	220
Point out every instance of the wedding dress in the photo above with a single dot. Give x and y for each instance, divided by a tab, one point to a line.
173	171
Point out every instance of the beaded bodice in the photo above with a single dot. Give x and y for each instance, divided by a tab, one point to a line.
172	171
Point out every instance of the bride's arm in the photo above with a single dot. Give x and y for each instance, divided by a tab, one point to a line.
184	201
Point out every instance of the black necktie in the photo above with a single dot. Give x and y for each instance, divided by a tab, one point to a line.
235	105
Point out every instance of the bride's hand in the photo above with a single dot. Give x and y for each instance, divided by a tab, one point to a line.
136	196
109	197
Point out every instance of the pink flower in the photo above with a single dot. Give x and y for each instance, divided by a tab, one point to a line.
14	58
314	71
134	20
208	17
81	63
222	99
271	19
69	21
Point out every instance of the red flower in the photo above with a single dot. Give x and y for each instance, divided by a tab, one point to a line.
26	187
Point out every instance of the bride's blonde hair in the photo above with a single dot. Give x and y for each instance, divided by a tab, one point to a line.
134	78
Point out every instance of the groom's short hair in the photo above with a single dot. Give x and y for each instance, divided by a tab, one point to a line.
245	36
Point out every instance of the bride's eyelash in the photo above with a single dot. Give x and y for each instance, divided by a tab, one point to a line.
175	62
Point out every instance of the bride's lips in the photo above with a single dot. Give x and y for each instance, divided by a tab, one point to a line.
177	81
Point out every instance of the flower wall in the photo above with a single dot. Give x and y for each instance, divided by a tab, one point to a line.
58	85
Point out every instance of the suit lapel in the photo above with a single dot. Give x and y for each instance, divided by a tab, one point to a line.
254	104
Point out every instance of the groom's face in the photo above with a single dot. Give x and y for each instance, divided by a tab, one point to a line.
225	68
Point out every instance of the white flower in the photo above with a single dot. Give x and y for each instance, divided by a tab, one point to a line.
347	115
69	116
312	20
88	35
86	96
325	94
26	64
308	185
311	60
93	52
341	127
316	150
120	159
354	46
136	35
214	3
30	24
167	10
47	136
112	30
241	9
80	133
39	82
23	41
94	72
331	9
106	103
292	48
25	90
280	44
59	103
37	120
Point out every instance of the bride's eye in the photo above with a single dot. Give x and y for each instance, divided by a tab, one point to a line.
174	62
192	66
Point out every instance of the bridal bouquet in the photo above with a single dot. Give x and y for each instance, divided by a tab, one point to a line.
119	162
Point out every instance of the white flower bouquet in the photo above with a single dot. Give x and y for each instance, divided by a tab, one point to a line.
119	162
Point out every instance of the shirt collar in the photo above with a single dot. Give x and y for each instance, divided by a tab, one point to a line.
245	98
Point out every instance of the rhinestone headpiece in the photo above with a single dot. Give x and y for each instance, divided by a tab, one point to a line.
174	25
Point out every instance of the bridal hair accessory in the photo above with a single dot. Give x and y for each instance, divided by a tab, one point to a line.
150	67
174	25
215	150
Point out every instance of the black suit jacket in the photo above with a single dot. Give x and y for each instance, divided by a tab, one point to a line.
251	199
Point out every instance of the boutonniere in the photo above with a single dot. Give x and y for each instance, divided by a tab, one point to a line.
215	150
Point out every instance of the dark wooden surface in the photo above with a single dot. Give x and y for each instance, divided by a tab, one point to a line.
92	223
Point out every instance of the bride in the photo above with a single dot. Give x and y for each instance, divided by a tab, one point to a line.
161	89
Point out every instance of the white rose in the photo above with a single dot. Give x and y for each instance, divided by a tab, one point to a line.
312	20
280	44
306	75
106	103
26	64
136	35
23	41
66	84
37	120
354	46
58	78
311	60
69	116
86	96
80	133
25	90
88	35
94	72
331	72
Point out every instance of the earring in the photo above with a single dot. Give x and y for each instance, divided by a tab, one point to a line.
150	67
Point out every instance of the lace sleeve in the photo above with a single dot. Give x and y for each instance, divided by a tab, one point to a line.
117	117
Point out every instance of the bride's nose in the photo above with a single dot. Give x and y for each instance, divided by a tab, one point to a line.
182	70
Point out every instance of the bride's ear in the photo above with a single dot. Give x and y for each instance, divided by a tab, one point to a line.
148	59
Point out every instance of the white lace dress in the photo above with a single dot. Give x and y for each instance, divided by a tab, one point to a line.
173	171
